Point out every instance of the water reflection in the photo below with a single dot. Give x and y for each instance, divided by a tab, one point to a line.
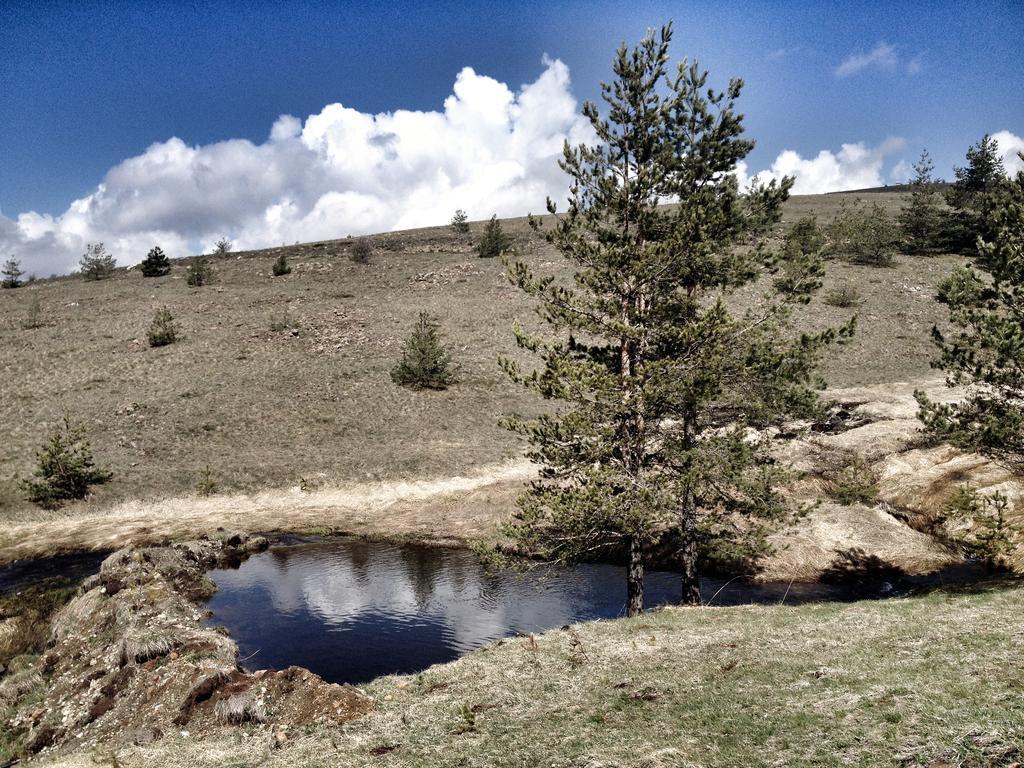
353	610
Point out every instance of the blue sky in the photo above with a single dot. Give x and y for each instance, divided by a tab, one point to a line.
84	86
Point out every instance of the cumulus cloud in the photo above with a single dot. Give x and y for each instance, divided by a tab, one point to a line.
854	166
1009	145
488	150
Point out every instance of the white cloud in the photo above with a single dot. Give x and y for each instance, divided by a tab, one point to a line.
854	166
1009	145
489	150
882	56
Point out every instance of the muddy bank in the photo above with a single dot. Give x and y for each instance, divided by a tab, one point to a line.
127	660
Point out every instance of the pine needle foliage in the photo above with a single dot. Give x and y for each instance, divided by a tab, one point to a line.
156	263
425	363
11	274
802	265
162	330
923	221
985	346
96	263
494	241
972	195
65	468
222	247
663	390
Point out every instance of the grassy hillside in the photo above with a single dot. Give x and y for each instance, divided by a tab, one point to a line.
283	379
931	681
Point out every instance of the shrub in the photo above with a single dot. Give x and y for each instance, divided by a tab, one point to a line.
283	322
222	247
864	235
494	242
156	263
850	479
34	317
844	296
96	263
207	483
11	274
162	331
425	362
362	250
281	266
199	272
460	222
991	535
65	467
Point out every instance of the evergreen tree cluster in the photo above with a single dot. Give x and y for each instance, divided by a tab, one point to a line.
986	344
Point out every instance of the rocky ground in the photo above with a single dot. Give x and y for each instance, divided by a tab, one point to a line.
128	660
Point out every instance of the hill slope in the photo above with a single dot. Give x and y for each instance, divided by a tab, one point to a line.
283	380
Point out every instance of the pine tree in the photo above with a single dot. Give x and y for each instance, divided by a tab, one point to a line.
986	347
281	267
96	263
156	263
922	221
494	241
12	274
199	272
222	247
971	195
802	266
425	362
659	381
162	330
864	234
460	222
66	468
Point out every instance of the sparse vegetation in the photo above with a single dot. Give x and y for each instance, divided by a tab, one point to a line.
65	467
362	250
864	234
96	263
156	263
425	363
850	479
34	317
222	247
207	484
460	222
991	535
802	265
986	344
162	330
11	274
199	272
494	241
281	266
845	296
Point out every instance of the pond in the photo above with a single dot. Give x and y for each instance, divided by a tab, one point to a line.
353	610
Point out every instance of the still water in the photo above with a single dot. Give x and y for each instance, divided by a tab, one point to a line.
353	610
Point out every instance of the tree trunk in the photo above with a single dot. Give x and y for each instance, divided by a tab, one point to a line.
688	553
635	579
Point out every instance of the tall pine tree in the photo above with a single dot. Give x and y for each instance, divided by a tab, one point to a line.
664	390
922	220
971	195
156	263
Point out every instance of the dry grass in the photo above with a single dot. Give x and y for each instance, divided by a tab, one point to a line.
265	408
928	681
